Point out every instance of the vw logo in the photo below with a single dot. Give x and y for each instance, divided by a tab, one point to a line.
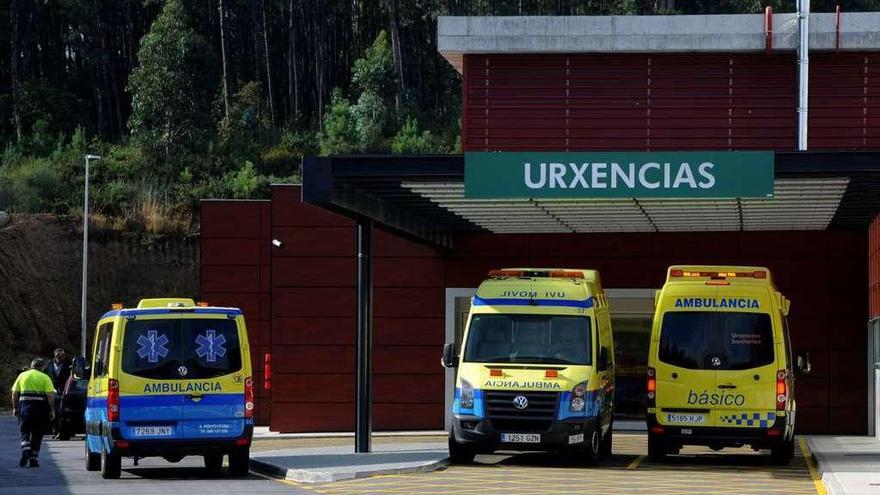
520	402
716	361
182	371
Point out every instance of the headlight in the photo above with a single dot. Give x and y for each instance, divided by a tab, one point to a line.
467	395
578	395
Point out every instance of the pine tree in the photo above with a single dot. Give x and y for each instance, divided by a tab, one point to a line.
172	88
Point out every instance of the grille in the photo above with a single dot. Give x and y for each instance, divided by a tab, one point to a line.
538	416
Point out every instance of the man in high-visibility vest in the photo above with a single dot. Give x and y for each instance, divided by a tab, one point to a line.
33	404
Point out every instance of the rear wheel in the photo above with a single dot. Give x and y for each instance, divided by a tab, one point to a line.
656	448
783	452
93	461
460	454
239	462
111	465
213	462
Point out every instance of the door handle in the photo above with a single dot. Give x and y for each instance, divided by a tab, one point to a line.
194	397
727	385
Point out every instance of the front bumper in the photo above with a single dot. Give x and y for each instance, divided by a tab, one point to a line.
481	436
721	436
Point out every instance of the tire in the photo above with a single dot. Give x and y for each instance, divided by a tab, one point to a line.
782	453
93	461
111	465
64	433
605	448
460	454
214	462
593	454
239	462
656	448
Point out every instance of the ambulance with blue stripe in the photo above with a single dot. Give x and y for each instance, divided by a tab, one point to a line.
720	369
535	368
169	379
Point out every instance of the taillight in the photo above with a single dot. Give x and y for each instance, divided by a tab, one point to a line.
248	397
651	386
112	400
781	390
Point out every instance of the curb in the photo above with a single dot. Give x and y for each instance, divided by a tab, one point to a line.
316	476
826	477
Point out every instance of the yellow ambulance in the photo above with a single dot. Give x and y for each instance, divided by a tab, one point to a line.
169	378
720	370
535	371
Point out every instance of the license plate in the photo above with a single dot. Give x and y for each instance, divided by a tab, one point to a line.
152	431
573	439
521	438
694	419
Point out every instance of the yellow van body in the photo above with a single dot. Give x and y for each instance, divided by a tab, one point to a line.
719	368
170	378
536	370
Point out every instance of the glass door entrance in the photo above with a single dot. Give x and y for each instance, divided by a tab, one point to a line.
632	311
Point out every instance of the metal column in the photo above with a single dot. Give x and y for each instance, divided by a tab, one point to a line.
364	351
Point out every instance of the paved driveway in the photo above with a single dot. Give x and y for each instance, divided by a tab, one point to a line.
698	471
62	472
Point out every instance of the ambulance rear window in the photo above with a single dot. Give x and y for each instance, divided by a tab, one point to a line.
716	340
500	338
183	349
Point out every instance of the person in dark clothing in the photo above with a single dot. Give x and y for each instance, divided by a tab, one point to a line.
33	403
59	371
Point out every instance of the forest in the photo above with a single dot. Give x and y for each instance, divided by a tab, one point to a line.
191	99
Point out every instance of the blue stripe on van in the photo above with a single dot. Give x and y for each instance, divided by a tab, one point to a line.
586	303
208	399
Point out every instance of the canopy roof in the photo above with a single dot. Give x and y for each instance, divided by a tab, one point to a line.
423	197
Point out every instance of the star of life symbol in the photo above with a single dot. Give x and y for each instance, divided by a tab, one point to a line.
211	346
152	346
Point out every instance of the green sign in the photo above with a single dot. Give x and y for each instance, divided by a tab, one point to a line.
647	174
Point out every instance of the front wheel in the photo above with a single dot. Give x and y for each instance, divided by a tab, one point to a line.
594	450
606	442
93	461
783	452
239	462
460	454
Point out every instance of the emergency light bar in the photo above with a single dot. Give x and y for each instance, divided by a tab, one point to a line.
536	273
684	273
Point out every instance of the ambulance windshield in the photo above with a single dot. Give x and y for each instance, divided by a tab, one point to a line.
183	349
716	340
540	339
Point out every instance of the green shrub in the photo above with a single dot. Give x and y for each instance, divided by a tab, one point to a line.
410	140
34	185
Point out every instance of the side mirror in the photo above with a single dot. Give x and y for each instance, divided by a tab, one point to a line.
79	367
803	363
449	360
603	363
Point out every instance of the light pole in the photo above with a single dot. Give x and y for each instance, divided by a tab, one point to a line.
83	351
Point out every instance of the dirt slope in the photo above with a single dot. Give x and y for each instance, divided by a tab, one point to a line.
40	278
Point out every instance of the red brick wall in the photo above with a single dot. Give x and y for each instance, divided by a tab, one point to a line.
666	102
313	324
235	272
874	267
823	273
